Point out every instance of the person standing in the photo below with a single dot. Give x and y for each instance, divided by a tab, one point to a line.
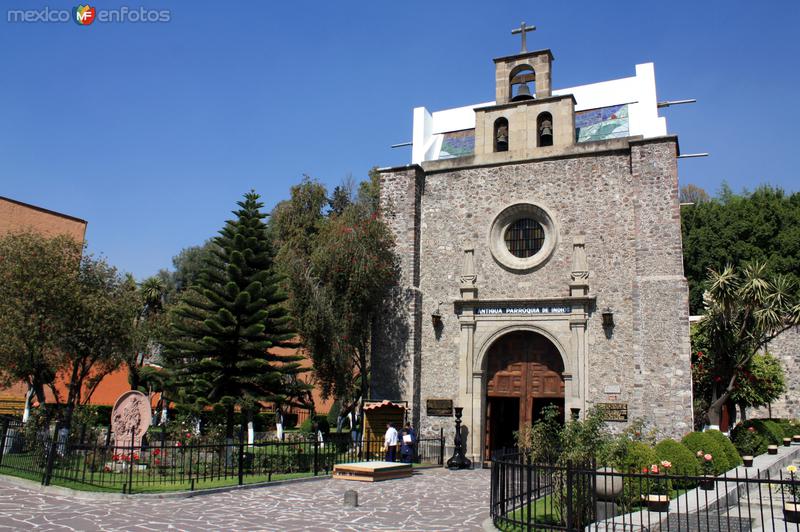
390	442
408	438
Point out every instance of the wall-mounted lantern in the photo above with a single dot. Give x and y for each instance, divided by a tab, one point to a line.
608	318
436	317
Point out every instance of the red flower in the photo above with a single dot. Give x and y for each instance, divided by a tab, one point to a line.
751	429
157	461
157	452
177	444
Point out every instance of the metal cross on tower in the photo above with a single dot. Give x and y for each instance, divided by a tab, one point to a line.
523	29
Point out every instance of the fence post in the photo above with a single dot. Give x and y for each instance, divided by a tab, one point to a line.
3	435
241	454
130	463
570	509
441	445
316	456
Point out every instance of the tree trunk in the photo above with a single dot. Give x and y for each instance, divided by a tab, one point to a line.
743	413
714	413
133	374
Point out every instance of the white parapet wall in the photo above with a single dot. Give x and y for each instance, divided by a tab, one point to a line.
638	92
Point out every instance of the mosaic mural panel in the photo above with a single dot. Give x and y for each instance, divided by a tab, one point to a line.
458	144
603	123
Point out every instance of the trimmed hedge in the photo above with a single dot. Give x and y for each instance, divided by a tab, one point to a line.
637	455
789	429
700	441
771	431
730	449
684	462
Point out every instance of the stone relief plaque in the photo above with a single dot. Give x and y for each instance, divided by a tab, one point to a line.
130	418
614	411
439	407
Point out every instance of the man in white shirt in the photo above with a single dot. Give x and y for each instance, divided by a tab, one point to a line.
390	442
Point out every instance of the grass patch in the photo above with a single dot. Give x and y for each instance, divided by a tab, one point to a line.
539	512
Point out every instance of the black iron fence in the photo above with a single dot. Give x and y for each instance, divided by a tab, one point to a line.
161	464
530	496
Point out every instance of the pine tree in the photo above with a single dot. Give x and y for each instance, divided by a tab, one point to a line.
223	330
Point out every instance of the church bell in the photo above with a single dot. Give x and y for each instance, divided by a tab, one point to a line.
502	139
523	93
546	133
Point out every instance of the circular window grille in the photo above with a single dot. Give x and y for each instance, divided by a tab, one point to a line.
522	236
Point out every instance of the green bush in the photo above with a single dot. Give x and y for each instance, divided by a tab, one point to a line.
684	462
701	441
748	441
322	421
633	458
790	428
730	450
771	431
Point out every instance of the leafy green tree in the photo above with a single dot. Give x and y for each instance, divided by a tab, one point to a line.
223	330
369	192
189	264
150	327
340	268
97	332
733	229
352	270
745	308
37	279
693	194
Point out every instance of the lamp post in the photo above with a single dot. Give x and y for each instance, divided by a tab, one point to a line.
458	460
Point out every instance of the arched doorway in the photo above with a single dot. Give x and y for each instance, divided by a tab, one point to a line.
525	373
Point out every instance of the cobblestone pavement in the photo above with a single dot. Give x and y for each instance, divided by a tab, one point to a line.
433	499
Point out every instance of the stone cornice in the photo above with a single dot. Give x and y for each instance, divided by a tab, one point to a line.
523	301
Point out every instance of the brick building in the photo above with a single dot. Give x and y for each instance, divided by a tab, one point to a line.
540	246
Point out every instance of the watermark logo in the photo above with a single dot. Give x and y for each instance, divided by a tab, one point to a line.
84	15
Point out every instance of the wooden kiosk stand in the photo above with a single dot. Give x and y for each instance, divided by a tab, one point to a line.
376	415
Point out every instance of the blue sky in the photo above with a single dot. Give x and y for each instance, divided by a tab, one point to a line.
151	132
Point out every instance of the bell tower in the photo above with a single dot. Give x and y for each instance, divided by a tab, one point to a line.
526	120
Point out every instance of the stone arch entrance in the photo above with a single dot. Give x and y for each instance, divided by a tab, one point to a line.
524	374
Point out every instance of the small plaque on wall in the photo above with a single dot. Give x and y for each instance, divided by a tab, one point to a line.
614	411
439	407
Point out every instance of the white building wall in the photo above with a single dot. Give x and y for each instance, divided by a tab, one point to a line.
638	91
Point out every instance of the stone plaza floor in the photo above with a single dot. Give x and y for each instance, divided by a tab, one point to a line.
433	499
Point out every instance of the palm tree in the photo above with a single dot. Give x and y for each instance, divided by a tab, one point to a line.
745	309
152	294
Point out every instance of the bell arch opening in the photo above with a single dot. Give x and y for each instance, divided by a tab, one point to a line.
519	79
501	134
524	375
544	129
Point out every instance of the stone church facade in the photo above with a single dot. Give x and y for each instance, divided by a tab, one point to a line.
541	262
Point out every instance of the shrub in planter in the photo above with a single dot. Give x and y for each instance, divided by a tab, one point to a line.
701	441
730	450
748	441
637	457
682	459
